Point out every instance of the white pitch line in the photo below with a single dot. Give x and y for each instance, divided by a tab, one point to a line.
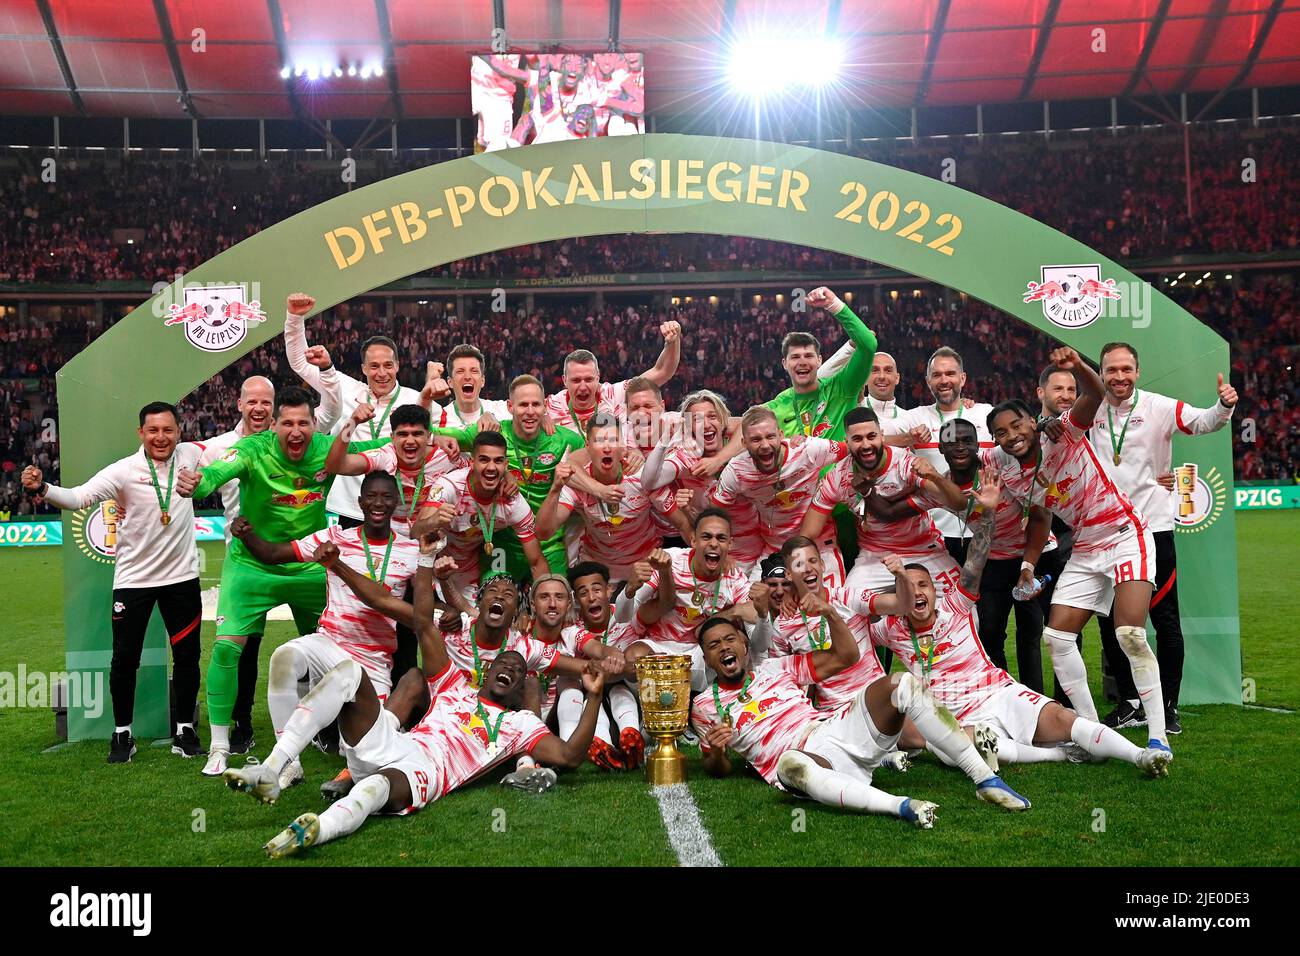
686	831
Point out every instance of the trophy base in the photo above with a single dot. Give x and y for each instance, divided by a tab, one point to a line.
666	765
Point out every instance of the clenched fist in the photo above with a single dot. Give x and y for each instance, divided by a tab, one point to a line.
300	303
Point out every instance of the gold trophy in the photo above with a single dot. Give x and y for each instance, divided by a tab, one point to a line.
665	682
108	512
1185	486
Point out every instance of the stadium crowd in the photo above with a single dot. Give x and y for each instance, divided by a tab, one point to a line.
1125	196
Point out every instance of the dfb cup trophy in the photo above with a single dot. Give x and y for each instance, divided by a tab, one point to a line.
665	682
1185	486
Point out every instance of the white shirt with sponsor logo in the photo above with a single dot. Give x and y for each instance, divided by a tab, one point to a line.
763	514
910	537
461	647
619	538
961	676
799	634
1147	448
697	600
776	717
455	737
471	519
148	553
1076	485
436	464
949	525
366	635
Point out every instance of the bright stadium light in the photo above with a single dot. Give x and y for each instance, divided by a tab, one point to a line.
760	65
379	70
352	69
338	71
313	72
284	73
365	72
299	70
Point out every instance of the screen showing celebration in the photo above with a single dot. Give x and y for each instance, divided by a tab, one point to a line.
524	98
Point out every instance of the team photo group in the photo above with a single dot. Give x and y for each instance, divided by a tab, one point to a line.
474	579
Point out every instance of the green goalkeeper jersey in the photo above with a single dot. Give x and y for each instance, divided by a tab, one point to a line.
821	413
532	463
284	500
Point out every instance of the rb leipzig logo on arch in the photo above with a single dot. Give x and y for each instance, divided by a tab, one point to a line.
216	317
1071	295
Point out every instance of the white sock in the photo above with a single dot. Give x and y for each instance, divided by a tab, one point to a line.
122	730
220	737
346	815
1100	740
525	762
1146	677
183	727
315	712
568	709
622	704
1011	752
283	687
840	790
1071	670
941	732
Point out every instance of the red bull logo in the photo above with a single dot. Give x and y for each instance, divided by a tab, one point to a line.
754	711
1071	295
297	499
471	725
1058	492
178	315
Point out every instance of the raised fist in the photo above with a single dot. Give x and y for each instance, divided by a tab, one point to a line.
240	527
33	479
319	356
326	554
1065	358
671	331
300	303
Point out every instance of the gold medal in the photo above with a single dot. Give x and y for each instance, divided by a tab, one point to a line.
300	483
1024	522
697	598
527	467
166	519
487	548
1117	458
806	419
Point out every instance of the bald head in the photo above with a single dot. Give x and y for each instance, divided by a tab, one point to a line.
256	402
883	378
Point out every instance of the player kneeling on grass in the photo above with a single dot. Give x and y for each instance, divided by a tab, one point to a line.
938	642
764	715
465	732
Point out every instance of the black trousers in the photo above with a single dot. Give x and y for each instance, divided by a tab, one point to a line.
181	607
994	609
1169	629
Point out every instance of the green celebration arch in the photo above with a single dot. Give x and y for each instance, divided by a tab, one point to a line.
355	243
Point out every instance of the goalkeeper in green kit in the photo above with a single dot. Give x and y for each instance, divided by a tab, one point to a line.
282	489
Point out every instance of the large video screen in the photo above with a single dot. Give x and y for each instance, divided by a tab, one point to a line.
525	98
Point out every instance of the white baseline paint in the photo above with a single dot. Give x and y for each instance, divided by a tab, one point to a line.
686	833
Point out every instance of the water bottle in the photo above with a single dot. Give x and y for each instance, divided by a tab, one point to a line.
1023	592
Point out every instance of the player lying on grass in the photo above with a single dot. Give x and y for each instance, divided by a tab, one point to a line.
464	733
765	716
938	642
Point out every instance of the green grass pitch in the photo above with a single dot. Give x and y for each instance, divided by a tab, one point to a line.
1232	799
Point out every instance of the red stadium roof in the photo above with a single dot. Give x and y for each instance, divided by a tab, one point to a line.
136	57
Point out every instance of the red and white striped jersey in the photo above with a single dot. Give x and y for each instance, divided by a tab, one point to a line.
777	715
576	636
767	509
682	461
1074	484
436	465
612	398
474	521
456	732
547	679
798	634
620	535
931	417
538	655
696	600
961	675
361	631
1008	533
910	537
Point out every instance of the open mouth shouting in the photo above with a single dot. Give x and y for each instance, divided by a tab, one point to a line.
729	661
495	613
295	445
712	559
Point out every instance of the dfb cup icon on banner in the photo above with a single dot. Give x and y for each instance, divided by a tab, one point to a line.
665	682
1185	487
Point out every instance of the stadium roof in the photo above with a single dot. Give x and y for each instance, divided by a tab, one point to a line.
137	57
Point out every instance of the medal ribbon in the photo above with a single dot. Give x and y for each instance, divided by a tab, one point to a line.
377	426
164	501
489	522
695	585
1110	423
1033	483
383	571
492	732
927	664
415	498
717	700
820	642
